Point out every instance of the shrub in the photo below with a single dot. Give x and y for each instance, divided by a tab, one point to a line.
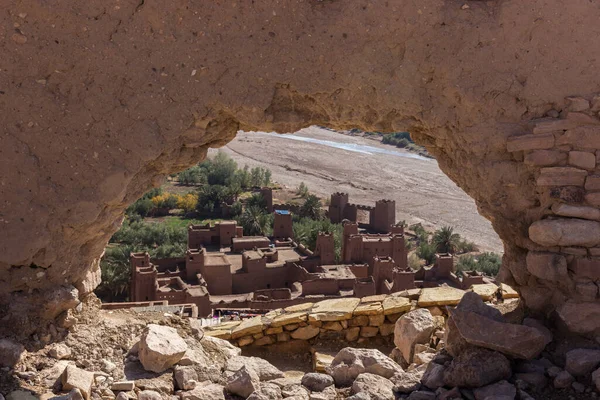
143	205
187	202
192	176
166	201
414	262
302	190
488	263
426	251
464	246
420	232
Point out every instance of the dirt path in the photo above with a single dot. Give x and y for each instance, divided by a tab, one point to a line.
328	162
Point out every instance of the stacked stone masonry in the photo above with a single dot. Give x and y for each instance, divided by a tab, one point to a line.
351	319
562	155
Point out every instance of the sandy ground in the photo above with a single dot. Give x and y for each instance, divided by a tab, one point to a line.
368	171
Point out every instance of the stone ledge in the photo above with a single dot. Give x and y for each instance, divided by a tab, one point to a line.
347	319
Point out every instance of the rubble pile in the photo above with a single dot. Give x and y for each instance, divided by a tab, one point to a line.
471	350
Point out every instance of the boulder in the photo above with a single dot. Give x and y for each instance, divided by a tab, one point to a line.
10	353
75	378
316	382
149	395
243	382
533	380
206	392
580	362
433	378
422	395
412	328
351	362
477	367
183	377
595	379
498	390
296	392
377	387
160	348
263	369
518	341
267	391
408	381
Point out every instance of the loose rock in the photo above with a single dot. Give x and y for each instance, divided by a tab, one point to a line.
477	367
316	382
412	328
160	348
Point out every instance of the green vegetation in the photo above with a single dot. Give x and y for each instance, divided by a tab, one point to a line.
218	181
488	263
302	190
445	240
311	208
306	231
159	240
398	139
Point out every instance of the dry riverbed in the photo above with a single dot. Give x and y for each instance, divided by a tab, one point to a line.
328	162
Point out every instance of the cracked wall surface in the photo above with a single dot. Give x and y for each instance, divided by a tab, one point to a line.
101	99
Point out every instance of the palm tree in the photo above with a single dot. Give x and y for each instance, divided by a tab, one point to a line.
254	221
311	207
445	240
116	273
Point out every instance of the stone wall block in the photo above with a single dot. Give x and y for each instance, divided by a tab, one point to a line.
530	142
585	267
561	176
547	266
593	199
565	232
577	103
582	137
582	159
555	125
584	212
545	158
592	182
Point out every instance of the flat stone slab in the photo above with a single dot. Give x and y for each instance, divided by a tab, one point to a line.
333	310
440	296
374	298
396	304
368	309
321	360
412	294
289	318
486	290
249	326
220	334
299	307
508	292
